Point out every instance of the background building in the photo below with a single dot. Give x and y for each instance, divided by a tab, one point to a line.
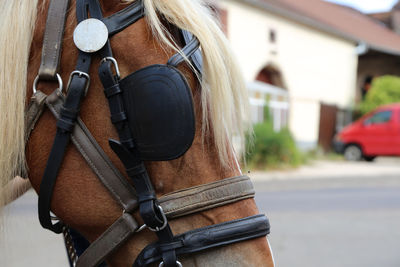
309	60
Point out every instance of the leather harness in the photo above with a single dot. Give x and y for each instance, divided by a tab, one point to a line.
135	145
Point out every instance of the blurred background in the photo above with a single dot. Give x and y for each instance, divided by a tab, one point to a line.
323	82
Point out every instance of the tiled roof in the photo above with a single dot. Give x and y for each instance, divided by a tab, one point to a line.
339	20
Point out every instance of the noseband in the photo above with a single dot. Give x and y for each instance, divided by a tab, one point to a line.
152	111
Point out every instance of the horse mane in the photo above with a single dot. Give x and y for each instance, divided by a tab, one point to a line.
16	31
224	97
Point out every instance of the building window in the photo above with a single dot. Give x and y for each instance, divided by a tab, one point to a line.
272	36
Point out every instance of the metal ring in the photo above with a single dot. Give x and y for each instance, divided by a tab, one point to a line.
164	219
177	264
60	83
114	61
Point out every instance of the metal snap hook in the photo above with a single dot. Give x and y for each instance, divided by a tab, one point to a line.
36	81
164	223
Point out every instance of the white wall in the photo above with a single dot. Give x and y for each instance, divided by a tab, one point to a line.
316	66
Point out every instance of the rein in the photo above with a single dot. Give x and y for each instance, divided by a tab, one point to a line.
133	147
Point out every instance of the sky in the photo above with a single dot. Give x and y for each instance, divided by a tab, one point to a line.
368	6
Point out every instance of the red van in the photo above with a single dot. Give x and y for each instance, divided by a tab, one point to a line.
375	134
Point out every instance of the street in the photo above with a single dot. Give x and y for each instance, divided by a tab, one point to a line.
326	214
347	226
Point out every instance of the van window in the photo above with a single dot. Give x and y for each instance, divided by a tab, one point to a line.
380	117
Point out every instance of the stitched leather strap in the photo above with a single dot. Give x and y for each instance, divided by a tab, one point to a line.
175	204
182	203
65	124
188	50
149	209
207	196
52	41
33	112
94	155
122	19
109	241
206	238
64	127
197	57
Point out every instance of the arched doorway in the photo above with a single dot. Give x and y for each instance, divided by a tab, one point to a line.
271	75
269	90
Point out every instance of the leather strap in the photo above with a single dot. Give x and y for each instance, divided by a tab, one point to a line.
207	196
188	50
115	103
206	238
197	57
33	112
69	113
122	19
182	203
108	242
65	125
52	42
175	204
149	209
94	155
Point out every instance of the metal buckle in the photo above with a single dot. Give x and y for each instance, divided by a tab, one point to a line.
80	74
60	83
114	61
165	222
177	264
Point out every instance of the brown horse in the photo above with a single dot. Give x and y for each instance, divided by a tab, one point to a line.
79	199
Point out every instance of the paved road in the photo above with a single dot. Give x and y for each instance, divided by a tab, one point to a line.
346	222
327	214
25	243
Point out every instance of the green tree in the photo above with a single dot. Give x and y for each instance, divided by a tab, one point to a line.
384	90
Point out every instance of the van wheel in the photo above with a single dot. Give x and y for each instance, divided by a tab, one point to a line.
353	153
369	158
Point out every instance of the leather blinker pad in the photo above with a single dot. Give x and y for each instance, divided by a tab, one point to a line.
159	107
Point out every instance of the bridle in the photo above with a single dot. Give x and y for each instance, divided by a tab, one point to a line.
132	147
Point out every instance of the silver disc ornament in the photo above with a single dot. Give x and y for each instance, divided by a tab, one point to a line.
90	35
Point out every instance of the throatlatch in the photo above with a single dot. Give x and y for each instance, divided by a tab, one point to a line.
154	99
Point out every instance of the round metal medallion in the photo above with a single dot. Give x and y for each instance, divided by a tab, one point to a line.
90	35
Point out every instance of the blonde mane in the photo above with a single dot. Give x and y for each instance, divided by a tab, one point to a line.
17	21
224	96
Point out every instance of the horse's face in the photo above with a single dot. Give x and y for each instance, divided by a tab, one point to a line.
79	198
